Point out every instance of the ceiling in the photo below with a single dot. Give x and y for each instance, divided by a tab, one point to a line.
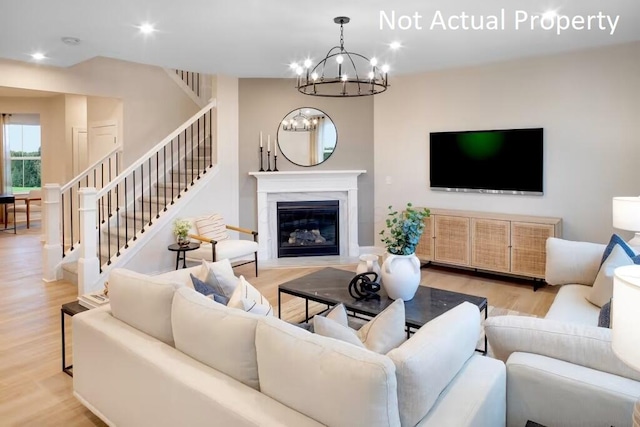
259	38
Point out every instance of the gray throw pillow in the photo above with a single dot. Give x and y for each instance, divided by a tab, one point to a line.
208	291
604	319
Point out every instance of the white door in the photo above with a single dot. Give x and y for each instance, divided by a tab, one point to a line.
103	138
80	152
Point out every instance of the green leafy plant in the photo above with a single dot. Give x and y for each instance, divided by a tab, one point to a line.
181	227
404	230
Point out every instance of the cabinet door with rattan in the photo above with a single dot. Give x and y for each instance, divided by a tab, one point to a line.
424	250
528	251
490	239
451	239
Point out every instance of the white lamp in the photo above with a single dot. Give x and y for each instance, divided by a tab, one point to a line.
625	322
626	216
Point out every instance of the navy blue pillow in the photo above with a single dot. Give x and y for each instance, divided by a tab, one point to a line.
207	290
604	319
617	240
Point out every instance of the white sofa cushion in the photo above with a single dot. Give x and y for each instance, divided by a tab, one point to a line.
143	302
381	334
226	249
571	305
572	262
584	345
249	299
428	361
602	290
181	275
220	337
333	382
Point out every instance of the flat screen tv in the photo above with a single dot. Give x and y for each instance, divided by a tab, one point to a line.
507	161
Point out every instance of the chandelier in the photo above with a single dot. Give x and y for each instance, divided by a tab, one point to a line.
337	74
300	123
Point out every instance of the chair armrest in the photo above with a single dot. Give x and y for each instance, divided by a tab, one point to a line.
584	345
202	238
242	230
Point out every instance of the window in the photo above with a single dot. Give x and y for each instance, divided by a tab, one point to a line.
25	147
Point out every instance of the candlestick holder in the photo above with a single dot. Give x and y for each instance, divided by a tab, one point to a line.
261	168
268	160
275	162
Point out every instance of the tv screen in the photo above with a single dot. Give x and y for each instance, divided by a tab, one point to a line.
492	161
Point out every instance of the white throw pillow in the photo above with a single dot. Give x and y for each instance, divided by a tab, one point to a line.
249	299
212	226
381	334
602	290
220	276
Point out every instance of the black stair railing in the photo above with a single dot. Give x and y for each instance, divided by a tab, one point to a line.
130	203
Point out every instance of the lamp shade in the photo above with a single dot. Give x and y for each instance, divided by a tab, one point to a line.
625	312
626	213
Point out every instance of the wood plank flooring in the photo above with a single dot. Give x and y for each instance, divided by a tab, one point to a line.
35	392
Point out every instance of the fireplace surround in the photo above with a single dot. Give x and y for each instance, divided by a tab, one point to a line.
307	185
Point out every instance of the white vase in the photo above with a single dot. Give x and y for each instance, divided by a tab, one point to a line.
401	276
369	263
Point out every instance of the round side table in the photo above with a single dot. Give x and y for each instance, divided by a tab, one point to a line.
181	252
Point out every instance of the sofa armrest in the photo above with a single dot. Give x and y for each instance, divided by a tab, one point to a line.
572	262
428	361
583	345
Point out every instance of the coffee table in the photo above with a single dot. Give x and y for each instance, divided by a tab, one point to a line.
330	286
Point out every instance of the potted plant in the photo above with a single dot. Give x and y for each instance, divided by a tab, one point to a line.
401	268
181	229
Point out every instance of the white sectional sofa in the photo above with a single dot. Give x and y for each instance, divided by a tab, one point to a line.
162	354
561	370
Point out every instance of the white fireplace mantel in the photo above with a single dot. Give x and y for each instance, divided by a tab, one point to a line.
273	187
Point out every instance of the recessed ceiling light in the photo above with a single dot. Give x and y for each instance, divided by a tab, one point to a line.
71	41
38	56
146	28
395	45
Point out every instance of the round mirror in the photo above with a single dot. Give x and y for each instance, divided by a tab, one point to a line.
307	136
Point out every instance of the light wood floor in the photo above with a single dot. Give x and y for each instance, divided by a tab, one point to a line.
35	392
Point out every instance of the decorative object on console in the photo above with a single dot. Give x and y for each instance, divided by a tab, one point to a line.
626	216
268	153
401	268
625	319
306	144
348	81
364	286
261	167
181	230
369	263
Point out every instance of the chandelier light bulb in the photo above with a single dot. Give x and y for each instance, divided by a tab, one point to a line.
339	59
307	63
315	121
373	62
299	71
294	66
385	68
345	77
38	56
371	75
314	76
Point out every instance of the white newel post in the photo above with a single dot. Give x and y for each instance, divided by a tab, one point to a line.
52	248
88	263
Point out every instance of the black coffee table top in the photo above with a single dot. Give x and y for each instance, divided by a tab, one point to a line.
330	286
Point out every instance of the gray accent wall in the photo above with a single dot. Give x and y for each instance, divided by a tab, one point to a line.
263	105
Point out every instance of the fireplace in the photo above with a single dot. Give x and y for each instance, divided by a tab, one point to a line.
308	228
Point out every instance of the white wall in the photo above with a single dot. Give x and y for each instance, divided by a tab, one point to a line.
101	109
153	104
218	194
587	102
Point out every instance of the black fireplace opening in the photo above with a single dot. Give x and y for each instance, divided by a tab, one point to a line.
309	228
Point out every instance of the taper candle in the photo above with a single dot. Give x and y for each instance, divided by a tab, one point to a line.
268	142
260	139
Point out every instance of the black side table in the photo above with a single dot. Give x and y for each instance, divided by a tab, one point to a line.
182	252
70	309
8	199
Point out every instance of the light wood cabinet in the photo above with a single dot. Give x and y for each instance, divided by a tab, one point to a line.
501	243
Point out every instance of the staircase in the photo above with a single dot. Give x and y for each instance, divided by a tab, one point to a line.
118	213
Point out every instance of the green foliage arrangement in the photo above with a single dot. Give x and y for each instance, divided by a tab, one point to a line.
181	227
404	230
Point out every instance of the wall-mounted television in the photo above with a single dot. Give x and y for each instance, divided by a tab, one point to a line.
506	161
